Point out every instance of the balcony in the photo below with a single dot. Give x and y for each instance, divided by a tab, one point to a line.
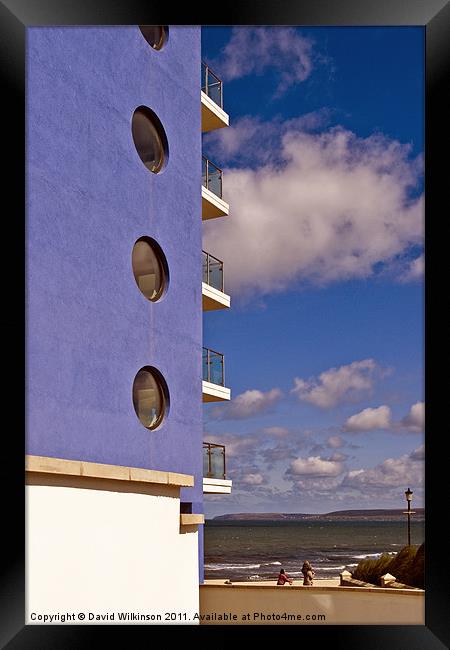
213	384
214	476
212	203
213	295
213	115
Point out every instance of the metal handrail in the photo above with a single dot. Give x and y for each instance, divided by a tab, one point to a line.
220	354
206	72
210	474
208	270
206	180
208	366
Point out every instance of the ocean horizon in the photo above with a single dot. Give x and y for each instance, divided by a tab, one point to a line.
256	550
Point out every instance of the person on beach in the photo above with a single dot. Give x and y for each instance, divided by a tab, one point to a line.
283	578
308	573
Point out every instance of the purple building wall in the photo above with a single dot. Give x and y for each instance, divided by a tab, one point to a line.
89	198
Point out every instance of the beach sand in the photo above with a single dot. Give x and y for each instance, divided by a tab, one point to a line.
270	583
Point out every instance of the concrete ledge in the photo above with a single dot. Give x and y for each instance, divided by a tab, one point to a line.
47	465
400	585
217	486
191	519
212	205
313	589
98	470
215	392
352	582
299	605
213	298
213	116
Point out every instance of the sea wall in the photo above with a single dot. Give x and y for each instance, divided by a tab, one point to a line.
292	605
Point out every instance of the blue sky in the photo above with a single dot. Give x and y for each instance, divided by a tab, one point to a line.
323	254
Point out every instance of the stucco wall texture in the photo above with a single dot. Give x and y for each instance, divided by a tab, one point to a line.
89	198
125	564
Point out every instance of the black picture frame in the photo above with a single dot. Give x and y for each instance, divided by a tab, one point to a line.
15	17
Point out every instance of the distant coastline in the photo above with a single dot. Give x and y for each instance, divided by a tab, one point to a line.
338	515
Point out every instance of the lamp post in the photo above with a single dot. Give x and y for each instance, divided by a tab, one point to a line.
409	512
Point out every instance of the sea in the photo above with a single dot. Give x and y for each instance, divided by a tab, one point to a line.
256	550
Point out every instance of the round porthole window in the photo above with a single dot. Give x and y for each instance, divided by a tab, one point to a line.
155	35
149	139
150	397
150	268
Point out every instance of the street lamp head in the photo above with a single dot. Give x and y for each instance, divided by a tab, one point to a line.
408	495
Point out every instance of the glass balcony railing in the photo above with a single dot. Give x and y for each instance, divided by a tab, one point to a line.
212	85
212	271
211	177
213	461
213	367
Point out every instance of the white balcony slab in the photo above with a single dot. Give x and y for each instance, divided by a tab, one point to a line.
216	486
212	298
213	117
215	392
212	205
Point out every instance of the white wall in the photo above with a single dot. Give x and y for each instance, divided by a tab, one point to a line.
105	551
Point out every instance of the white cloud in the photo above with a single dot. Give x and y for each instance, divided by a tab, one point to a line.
250	140
415	420
381	418
418	454
335	442
414	271
278	432
395	473
284	449
239	136
337	206
369	419
337	457
337	385
247	404
253	479
251	50
316	486
236	446
314	466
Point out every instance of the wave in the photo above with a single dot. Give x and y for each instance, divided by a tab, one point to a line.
270	568
220	567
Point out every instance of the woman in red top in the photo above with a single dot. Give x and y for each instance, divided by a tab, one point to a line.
283	578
